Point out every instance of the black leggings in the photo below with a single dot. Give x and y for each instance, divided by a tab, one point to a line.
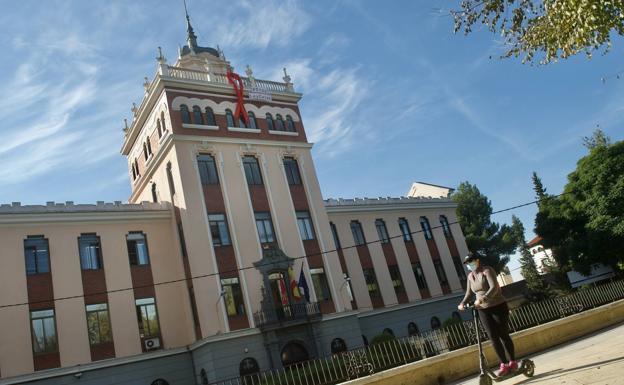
495	320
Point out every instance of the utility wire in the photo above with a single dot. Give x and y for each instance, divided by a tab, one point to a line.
265	264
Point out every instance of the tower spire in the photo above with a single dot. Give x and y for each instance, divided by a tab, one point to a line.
191	38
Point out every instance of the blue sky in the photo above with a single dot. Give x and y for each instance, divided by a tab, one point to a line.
391	95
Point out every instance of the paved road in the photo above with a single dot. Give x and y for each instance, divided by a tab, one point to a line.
594	359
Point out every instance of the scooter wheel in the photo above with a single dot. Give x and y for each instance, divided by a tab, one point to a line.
484	379
530	369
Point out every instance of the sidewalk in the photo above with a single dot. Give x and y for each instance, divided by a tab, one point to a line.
595	359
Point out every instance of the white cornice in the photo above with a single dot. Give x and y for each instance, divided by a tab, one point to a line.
253	142
388	207
83	217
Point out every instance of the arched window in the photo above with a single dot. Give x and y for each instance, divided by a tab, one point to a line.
162	121
210	118
197	116
279	123
203	376
160	381
290	125
252	120
248	366
293	353
388	331
338	345
241	122
412	329
154	195
136	167
149	146
446	228
158	128
186	117
145	153
229	117
435	323
269	121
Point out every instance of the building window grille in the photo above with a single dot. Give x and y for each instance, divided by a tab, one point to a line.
397	281
252	170
90	252
219	230
269	121
197	115
304	222
371	282
252	120
137	249
264	225
37	255
319	281
382	231
43	328
147	317
290	124
207	169
358	233
229	118
437	264
426	228
233	296
292	171
98	324
210	117
419	275
279	123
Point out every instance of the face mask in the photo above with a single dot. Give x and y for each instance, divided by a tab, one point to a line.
472	266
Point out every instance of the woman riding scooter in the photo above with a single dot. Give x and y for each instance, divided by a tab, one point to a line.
493	310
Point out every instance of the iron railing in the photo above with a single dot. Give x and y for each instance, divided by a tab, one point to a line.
395	352
288	313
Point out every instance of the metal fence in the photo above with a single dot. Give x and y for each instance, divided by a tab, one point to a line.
399	351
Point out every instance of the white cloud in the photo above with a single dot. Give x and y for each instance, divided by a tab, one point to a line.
260	23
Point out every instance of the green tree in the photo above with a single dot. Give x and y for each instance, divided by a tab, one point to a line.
536	287
489	240
550	29
585	225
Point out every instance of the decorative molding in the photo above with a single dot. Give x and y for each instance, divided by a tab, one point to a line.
241	129
219	108
286	133
256	142
200	126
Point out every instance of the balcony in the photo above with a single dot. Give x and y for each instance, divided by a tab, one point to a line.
214	78
287	315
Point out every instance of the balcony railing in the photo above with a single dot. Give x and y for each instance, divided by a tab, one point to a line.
203	76
283	314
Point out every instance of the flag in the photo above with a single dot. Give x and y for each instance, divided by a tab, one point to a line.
294	289
303	286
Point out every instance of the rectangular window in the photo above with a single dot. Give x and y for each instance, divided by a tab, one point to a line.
252	170
137	249
304	222
420	275
292	171
335	234
207	169
358	233
219	230
437	264
382	231
147	317
36	253
405	230
98	324
371	283
265	227
43	331
90	252
233	296
395	276
319	280
426	228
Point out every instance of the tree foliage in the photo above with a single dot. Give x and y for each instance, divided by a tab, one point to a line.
550	29
537	289
585	225
490	240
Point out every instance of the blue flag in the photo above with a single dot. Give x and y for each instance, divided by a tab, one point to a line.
303	286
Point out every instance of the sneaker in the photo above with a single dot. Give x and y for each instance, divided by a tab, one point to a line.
502	370
512	365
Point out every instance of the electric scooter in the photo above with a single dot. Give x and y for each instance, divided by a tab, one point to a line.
526	366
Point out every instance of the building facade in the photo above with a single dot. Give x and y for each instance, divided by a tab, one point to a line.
226	260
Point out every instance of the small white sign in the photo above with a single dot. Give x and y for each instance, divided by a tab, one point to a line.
256	93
